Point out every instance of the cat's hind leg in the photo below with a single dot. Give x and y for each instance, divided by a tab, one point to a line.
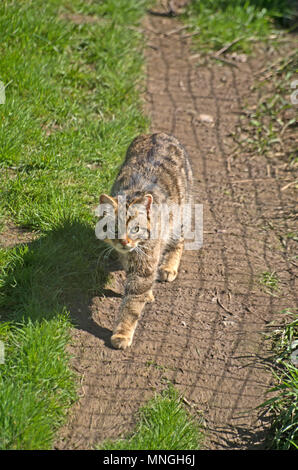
168	270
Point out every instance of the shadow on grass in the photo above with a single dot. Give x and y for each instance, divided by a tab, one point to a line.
61	271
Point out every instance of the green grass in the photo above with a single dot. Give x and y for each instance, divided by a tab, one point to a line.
73	76
36	386
72	105
283	406
164	423
221	22
269	281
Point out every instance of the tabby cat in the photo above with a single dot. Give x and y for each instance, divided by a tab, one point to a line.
155	172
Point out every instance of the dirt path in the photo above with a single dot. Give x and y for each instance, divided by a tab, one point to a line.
207	326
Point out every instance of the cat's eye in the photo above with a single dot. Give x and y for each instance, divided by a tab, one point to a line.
135	230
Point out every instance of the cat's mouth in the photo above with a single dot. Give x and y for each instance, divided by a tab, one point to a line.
124	248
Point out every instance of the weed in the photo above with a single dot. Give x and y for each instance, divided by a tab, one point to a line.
283	406
163	423
269	281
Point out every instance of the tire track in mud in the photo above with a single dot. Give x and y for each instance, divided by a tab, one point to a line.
206	328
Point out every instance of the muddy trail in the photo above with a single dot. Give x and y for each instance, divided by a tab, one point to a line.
207	328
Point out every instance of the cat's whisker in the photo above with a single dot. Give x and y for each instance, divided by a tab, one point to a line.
106	253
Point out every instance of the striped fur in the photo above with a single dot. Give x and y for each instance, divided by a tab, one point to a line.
156	171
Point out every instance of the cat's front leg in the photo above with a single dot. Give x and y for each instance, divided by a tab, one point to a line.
130	312
138	291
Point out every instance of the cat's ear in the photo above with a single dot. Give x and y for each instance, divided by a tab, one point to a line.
148	199
105	199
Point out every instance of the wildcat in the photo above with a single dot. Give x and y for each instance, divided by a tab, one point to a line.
156	171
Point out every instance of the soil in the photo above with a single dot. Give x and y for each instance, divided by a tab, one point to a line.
12	235
207	328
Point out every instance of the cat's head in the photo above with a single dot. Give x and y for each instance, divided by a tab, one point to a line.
131	225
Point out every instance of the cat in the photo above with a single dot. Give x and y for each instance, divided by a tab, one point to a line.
156	171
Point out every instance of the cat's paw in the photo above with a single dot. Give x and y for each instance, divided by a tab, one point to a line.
167	274
120	341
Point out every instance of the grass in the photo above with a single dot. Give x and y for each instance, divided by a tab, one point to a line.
283	406
219	23
272	124
72	105
73	82
164	424
269	281
37	386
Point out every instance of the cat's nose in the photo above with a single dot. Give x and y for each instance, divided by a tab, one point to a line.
124	242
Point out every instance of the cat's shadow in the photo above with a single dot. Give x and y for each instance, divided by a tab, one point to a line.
81	308
61	270
82	320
